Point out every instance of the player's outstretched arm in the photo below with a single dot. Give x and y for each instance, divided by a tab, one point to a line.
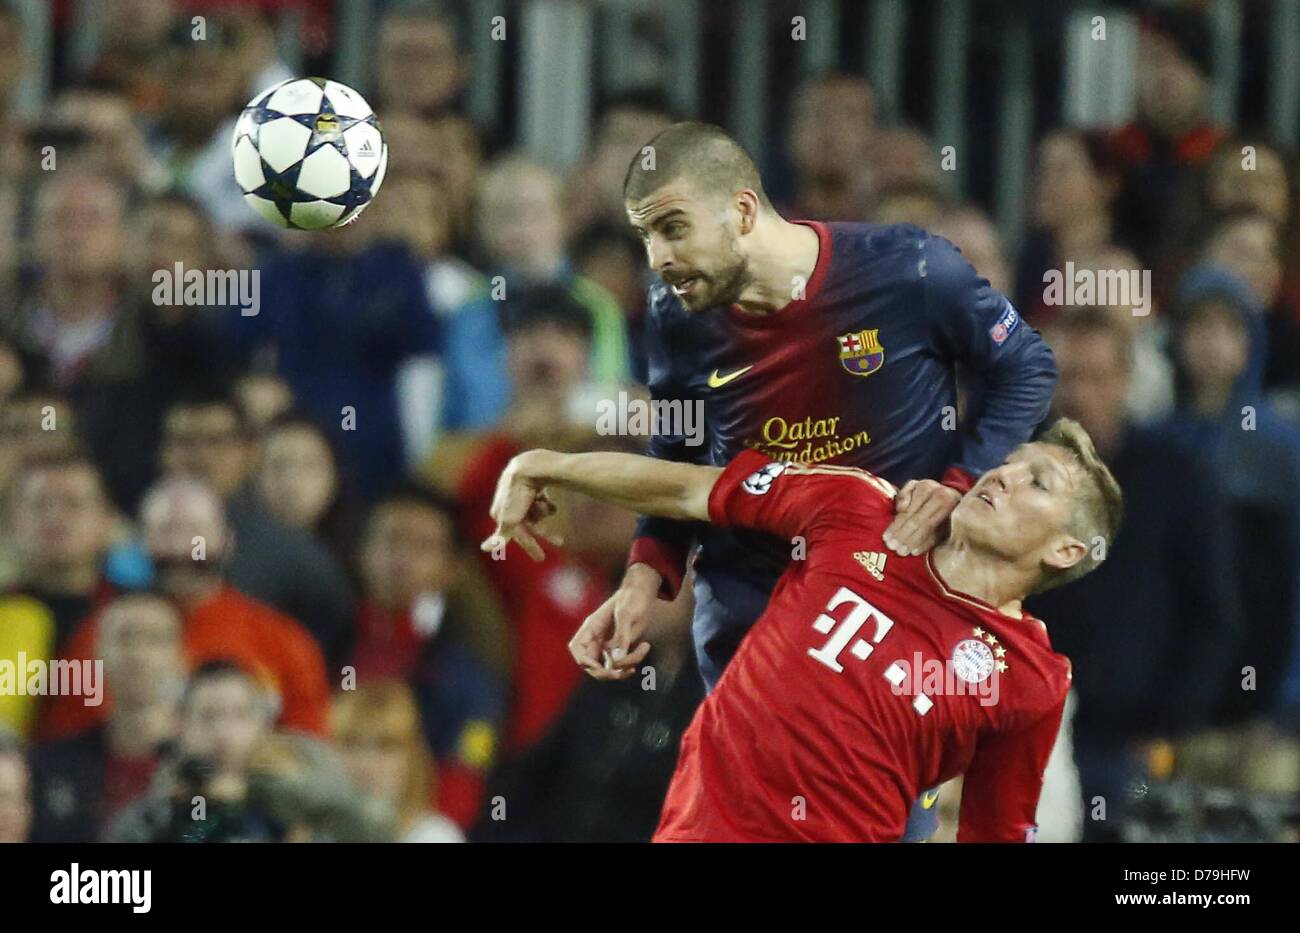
641	484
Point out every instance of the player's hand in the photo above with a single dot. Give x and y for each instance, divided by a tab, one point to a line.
922	508
519	506
608	645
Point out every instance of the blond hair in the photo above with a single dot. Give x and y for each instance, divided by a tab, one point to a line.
388	708
1098	503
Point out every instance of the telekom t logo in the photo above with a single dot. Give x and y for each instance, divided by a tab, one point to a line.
844	634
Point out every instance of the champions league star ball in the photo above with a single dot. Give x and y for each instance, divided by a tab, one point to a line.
309	154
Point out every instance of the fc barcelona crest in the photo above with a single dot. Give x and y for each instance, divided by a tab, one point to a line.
861	352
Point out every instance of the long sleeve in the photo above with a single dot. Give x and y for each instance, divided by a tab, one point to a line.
999	798
661	543
1013	368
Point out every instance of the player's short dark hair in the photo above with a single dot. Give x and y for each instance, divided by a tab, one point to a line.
1098	507
700	151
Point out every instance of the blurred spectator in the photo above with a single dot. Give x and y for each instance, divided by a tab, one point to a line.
1172	136
1247	244
159	346
206	84
302	785
85	781
521	226
593	192
32	424
62	522
1077	183
349	326
1219	355
914	202
15	790
113	350
80	235
134	36
263	397
458	165
95	127
899	156
15	158
610	255
189	542
419	65
547	338
979	241
298	482
412	627
13	62
418	211
829	140
377	729
206	436
444	151
1149	633
224	714
1151	374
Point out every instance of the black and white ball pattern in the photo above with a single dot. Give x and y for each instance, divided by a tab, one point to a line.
760	481
309	153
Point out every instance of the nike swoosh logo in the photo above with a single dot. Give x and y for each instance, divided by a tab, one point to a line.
928	798
717	382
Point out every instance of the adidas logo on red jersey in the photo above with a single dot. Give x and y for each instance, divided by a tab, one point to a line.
874	561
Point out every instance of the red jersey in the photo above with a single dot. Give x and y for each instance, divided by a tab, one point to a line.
864	682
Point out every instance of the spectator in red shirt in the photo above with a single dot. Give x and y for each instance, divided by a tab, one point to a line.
412	626
189	541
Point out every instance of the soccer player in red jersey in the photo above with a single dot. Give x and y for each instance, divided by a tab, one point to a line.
870	676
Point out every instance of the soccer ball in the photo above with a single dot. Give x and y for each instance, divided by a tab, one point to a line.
309	154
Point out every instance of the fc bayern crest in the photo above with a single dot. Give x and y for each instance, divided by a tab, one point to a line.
861	352
972	660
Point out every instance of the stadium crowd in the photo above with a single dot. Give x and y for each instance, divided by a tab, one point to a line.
264	525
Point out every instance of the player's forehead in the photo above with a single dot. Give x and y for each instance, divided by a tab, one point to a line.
1051	457
665	201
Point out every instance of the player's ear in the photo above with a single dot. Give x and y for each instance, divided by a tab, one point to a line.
747	202
1064	552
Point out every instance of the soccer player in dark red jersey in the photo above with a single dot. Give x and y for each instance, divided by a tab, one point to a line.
869	676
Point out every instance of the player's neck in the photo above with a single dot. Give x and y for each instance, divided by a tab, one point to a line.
782	260
987	576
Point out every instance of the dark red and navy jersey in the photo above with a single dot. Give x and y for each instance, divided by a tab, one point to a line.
860	370
866	680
